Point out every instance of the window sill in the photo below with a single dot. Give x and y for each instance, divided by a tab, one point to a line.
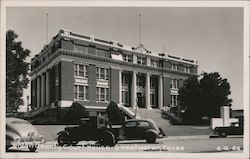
102	101
81	100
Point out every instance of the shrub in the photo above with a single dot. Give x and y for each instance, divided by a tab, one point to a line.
75	112
114	113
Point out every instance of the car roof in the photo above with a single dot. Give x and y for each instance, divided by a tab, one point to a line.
149	120
10	119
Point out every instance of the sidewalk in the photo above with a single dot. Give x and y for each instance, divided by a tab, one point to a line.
186	137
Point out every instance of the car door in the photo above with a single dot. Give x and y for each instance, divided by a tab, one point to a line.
142	127
130	129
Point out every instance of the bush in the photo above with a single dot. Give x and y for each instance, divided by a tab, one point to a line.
114	113
75	112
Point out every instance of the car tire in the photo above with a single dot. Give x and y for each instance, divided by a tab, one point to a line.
222	134
108	139
63	139
150	137
74	143
32	148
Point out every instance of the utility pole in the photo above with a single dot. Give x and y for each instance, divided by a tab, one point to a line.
140	30
47	27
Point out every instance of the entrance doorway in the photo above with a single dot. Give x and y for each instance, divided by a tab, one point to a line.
140	100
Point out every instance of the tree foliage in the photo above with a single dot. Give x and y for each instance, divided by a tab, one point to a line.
204	97
75	112
16	72
114	113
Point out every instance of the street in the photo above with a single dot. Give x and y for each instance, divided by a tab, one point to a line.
172	145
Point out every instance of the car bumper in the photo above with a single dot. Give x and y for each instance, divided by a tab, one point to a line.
159	136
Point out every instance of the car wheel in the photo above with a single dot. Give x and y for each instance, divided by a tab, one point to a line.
63	139
150	138
222	134
32	148
108	139
74	143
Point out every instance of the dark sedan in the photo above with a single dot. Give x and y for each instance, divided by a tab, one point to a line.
141	129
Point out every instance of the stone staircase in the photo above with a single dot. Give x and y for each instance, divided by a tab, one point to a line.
155	115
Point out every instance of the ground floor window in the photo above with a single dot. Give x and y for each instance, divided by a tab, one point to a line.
174	100
152	99
102	94
81	92
125	97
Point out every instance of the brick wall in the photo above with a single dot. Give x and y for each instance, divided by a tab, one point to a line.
67	45
114	85
67	81
92	84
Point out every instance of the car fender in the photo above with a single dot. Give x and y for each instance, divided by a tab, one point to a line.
10	135
151	131
63	132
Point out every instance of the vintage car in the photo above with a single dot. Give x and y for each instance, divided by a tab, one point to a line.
141	129
233	129
100	130
21	133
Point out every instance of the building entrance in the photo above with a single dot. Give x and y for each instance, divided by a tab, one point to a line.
140	100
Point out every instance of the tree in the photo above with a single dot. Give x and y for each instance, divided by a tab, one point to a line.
114	113
204	97
16	72
75	112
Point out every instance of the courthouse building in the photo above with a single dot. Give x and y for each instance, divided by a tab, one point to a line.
94	72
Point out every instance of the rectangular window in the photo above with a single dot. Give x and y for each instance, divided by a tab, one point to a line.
174	67
154	63
141	60
102	94
125	79
81	92
186	69
80	71
174	100
102	73
140	81
81	49
174	84
152	83
152	99
125	97
127	58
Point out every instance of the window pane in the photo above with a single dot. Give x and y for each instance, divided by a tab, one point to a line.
86	72
131	124
81	73
143	124
75	91
86	93
97	94
107	94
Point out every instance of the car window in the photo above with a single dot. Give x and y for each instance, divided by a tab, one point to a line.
143	124
131	124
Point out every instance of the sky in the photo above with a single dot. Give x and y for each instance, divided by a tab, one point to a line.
212	36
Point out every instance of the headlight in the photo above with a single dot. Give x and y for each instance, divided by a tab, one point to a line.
42	139
16	140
